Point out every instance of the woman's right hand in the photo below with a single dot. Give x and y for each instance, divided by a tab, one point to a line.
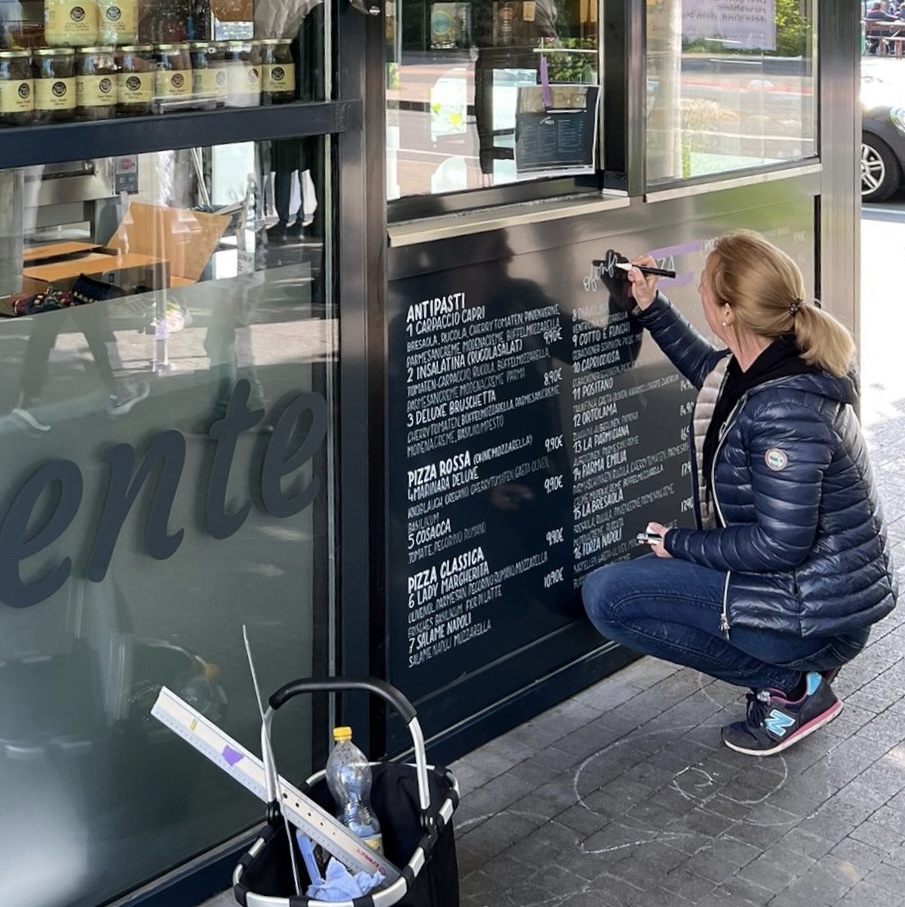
644	286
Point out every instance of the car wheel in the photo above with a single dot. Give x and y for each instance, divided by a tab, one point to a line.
880	173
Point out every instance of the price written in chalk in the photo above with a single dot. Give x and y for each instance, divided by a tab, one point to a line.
555	537
554	443
552	377
553	577
554	483
551	335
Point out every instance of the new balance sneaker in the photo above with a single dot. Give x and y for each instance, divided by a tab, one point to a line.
774	722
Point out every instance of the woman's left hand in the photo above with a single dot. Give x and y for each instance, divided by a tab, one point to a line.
658	547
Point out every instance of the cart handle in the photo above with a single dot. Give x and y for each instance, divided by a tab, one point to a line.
342	684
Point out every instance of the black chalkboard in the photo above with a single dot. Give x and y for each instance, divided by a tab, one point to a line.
527	445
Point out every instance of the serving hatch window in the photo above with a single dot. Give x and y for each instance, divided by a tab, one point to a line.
730	86
485	93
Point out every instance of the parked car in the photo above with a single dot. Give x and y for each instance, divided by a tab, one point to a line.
882	139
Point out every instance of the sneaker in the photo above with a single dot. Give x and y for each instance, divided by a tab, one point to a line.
32	422
130	395
774	723
295	230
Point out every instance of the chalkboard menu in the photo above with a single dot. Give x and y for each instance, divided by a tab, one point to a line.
558	131
532	433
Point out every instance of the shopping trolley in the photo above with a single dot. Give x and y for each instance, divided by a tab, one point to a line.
414	804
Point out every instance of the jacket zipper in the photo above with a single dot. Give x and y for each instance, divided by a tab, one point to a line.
724	615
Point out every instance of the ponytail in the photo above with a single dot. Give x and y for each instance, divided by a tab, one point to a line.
823	340
765	289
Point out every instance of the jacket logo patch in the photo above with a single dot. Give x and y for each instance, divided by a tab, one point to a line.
776	459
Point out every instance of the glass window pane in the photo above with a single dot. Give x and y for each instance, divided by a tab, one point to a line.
466	78
728	88
167	412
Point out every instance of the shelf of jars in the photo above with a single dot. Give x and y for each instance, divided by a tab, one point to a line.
142	75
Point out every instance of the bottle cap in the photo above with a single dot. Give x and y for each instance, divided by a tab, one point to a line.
342	733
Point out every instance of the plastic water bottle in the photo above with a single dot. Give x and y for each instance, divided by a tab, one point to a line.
349	780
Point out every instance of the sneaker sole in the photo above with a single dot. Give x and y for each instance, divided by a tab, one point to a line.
31	423
800	734
124	408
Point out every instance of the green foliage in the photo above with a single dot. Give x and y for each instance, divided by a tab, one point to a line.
572	67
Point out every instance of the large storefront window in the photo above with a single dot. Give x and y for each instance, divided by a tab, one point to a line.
168	358
485	93
169	348
729	86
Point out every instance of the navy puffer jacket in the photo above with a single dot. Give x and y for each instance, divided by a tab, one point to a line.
799	526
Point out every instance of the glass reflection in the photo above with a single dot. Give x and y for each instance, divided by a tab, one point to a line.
165	414
728	89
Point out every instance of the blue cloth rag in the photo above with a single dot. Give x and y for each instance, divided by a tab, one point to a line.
341	885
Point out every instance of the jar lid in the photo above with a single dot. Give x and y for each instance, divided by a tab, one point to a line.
13	54
54	52
137	48
168	47
99	49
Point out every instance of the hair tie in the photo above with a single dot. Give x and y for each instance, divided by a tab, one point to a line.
795	306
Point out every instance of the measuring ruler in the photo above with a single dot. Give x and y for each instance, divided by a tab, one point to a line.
248	770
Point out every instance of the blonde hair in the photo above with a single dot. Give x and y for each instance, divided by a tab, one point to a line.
765	290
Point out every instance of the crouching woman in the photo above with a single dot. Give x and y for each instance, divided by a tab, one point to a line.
789	565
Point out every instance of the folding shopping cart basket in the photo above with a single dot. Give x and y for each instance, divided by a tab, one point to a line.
414	804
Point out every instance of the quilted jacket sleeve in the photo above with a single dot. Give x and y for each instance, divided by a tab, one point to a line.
688	351
783	450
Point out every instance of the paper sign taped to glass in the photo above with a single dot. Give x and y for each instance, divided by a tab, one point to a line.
556	127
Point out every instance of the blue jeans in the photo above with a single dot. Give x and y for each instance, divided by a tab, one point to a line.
670	608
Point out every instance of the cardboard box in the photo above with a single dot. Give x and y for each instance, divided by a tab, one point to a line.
154	247
184	238
57	251
129	271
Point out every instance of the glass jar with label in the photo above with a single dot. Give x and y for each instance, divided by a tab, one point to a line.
70	23
135	77
277	71
54	74
95	83
243	74
174	74
117	21
17	90
208	72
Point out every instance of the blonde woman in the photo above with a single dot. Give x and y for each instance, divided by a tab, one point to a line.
789	565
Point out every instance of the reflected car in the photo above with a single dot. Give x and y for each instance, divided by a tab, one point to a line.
882	140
